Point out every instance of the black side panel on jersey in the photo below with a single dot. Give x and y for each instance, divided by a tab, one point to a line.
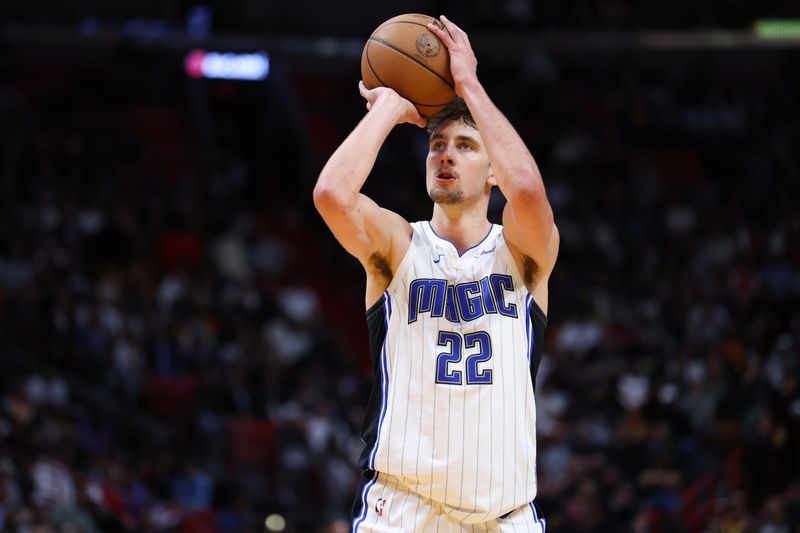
376	325
539	321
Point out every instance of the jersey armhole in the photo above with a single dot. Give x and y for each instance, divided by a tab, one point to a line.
374	308
402	267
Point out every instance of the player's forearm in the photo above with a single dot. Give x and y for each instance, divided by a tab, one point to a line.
513	165
348	168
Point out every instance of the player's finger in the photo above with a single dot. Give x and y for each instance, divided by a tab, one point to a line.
441	34
453	28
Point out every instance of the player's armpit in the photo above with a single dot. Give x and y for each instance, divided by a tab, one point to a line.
533	262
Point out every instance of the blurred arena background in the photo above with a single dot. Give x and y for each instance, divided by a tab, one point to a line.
182	342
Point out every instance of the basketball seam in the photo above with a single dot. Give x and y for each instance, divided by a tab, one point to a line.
426	67
369	64
406	22
403	22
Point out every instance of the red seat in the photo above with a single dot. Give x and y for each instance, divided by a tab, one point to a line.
200	522
170	399
252	442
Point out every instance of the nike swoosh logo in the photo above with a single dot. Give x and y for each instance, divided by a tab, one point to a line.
486	251
438	258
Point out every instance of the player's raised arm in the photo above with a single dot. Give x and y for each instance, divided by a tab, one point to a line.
528	217
360	225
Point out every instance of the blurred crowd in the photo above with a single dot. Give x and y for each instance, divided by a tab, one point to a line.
165	364
347	17
184	347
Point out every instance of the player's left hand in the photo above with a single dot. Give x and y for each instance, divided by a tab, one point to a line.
406	112
463	63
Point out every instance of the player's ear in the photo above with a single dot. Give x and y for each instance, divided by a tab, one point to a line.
491	181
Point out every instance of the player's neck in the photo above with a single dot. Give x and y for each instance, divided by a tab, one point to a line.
464	229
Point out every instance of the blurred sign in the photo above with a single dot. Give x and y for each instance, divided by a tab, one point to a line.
778	28
226	65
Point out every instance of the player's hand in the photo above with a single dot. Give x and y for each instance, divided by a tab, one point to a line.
379	96
463	63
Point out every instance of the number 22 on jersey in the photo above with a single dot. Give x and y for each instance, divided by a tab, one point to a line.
479	347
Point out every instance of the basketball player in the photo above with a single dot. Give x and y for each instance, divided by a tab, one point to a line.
456	311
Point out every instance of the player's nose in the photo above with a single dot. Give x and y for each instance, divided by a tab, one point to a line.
446	158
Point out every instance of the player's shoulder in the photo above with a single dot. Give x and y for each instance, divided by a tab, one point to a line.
396	220
545	264
399	231
423	231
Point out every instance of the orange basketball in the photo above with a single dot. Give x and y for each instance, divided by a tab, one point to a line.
404	55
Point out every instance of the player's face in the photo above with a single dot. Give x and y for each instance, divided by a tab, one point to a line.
458	166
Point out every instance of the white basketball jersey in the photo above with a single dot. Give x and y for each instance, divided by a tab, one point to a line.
456	341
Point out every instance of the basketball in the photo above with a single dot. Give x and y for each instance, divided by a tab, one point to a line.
404	55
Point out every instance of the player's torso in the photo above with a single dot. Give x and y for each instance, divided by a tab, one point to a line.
455	411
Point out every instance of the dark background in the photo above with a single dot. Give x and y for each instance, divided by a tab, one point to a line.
182	341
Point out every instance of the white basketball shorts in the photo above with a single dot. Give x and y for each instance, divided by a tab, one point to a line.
384	505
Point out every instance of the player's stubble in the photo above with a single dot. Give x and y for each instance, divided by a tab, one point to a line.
447	196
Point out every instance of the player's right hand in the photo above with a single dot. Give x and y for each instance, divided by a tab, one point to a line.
380	96
463	63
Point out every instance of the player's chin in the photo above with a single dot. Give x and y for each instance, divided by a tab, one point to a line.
444	194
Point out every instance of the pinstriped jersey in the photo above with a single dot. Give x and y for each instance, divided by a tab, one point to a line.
456	340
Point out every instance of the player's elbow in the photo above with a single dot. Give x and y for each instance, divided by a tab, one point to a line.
527	189
328	198
533	192
532	197
324	197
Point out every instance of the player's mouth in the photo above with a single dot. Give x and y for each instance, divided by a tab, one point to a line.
445	176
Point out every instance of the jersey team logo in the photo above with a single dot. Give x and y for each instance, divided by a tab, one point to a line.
380	505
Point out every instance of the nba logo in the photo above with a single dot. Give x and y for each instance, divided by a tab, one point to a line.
379	505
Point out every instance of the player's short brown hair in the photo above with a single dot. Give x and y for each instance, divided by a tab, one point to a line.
455	110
